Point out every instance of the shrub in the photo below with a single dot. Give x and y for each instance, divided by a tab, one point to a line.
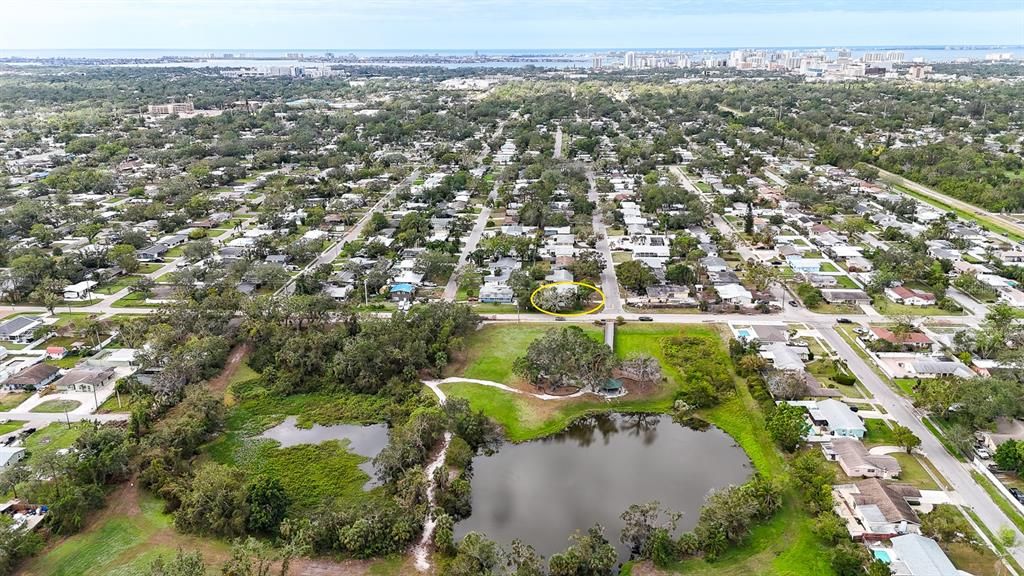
844	379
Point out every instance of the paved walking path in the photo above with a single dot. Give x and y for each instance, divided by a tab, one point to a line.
435	386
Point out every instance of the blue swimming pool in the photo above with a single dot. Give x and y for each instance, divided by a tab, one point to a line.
882	555
745	334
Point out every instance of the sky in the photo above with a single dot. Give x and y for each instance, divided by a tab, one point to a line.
503	24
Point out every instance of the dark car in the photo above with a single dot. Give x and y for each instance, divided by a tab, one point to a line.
559	319
1018	494
793	303
645	319
845	321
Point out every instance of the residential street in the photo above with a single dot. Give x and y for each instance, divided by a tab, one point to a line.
609	281
331	253
901	410
1005	222
452	287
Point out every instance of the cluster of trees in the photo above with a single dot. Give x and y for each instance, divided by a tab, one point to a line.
303	343
705	377
566	357
1010	456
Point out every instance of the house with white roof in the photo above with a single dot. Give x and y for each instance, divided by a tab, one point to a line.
836	419
916	555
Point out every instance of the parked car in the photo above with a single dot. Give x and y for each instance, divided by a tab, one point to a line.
1018	494
559	319
793	303
645	319
982	453
844	321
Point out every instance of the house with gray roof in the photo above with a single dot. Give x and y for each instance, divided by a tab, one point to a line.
837	419
855	460
19	329
916	555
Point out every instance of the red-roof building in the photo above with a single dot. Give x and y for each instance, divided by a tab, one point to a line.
908	340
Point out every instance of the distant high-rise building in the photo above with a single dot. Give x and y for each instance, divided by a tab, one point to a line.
630	60
597	63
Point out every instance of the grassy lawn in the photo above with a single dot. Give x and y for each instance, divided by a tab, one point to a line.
884	306
828	267
8	427
12	400
526	418
977	560
490	351
66	363
120	283
620	257
54	437
826	373
913	471
485	308
110	405
149	267
134	300
879	433
54	406
121	545
847	282
906	385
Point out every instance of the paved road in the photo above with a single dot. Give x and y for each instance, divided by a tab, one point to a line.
1008	223
558	144
609	281
967	303
331	253
956	473
474	238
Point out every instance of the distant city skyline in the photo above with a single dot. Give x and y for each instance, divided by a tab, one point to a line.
500	24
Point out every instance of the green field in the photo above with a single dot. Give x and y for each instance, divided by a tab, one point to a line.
914	472
491	350
120	545
888	308
11	426
12	399
54	406
879	433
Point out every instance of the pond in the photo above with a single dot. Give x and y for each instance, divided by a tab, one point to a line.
542	491
366	441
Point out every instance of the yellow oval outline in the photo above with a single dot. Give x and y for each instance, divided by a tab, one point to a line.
568	314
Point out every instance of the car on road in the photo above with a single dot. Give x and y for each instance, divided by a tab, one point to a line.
559	319
1018	494
645	319
844	321
793	303
983	453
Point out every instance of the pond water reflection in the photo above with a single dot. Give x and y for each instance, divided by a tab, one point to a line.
542	491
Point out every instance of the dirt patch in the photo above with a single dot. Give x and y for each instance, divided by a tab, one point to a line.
219	385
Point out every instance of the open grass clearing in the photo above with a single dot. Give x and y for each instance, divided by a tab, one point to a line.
55	406
12	399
